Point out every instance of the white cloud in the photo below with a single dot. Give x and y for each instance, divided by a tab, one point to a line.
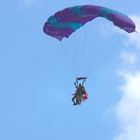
128	58
128	108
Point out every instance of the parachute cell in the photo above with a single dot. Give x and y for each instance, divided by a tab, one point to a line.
63	23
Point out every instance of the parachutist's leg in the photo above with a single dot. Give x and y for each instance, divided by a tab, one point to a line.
73	100
78	100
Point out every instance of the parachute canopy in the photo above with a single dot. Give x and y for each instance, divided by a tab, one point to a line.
63	23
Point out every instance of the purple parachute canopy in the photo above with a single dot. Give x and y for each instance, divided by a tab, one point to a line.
63	23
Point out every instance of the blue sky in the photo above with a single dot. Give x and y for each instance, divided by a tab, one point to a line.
37	73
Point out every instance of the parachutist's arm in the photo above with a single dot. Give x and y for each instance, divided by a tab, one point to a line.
83	82
76	82
75	85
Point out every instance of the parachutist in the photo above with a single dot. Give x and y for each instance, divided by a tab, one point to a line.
65	22
80	94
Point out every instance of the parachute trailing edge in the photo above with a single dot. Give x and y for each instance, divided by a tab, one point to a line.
63	23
